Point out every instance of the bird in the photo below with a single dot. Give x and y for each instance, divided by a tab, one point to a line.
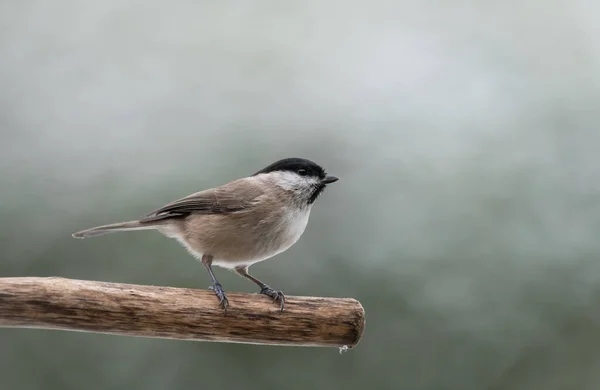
240	223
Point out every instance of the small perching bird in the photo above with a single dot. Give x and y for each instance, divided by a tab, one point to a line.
240	223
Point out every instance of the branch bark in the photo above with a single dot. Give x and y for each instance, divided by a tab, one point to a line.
178	313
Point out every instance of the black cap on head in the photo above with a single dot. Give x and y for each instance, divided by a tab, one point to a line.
301	166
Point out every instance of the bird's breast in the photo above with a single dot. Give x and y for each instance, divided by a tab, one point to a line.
293	225
277	235
244	239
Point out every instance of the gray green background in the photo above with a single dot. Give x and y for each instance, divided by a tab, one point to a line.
466	221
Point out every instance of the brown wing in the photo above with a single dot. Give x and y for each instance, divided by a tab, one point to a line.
232	197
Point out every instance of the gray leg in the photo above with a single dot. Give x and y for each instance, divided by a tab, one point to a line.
216	287
277	296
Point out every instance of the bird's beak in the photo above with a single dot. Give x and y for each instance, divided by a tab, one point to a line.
330	179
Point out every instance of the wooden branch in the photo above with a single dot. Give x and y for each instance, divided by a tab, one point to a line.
178	313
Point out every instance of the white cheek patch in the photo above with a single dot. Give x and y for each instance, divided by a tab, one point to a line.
293	182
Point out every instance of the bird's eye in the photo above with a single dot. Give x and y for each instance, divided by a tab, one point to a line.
302	172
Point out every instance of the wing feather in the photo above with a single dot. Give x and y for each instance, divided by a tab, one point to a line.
233	197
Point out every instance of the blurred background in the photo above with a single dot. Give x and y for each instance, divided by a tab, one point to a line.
466	220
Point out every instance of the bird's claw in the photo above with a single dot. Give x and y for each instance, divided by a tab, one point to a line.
277	296
220	293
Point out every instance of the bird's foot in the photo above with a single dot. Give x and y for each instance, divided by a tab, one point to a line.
277	296
220	293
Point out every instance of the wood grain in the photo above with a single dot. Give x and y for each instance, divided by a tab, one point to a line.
178	313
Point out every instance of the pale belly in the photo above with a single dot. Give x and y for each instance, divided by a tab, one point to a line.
240	242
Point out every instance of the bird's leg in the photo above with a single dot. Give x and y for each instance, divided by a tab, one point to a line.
277	296
216	287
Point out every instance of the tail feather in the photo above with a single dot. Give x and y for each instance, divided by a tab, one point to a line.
114	227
